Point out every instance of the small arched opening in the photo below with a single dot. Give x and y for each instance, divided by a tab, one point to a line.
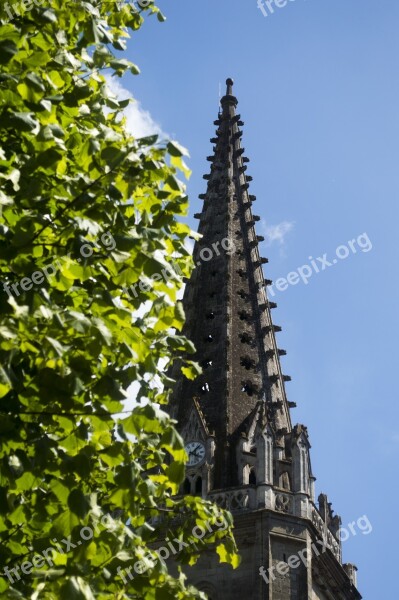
252	477
186	486
198	486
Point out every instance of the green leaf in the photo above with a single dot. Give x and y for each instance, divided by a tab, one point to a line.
78	503
23	121
60	490
175	149
48	16
8	49
192	371
27	481
64	524
76	589
227	554
175	473
5	383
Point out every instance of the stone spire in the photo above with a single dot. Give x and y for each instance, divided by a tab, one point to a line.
228	315
243	452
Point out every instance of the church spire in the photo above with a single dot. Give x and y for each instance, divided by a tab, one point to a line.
228	315
243	452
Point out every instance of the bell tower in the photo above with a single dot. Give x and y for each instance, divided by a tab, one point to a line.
244	452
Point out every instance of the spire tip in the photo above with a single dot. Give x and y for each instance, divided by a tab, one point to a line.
229	85
229	98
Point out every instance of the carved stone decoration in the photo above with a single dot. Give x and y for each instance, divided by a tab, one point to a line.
302	471
335	525
328	539
236	500
283	503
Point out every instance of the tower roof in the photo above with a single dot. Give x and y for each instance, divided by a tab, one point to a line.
228	314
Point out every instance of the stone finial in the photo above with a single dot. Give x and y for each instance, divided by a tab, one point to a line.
229	98
351	569
325	509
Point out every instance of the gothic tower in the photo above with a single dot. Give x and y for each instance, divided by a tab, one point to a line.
244	452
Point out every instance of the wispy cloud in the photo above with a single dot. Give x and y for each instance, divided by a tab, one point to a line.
139	121
276	233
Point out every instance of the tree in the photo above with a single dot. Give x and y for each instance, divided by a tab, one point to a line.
88	486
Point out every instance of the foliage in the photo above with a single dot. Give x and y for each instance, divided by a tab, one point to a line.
95	211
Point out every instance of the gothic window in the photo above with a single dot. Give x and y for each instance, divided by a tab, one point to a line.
198	486
186	486
252	477
284	481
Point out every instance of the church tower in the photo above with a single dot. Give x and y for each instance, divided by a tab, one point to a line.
244	452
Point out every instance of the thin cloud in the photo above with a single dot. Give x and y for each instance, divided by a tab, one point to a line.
139	121
276	233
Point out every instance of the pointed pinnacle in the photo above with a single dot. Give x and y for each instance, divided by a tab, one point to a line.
229	98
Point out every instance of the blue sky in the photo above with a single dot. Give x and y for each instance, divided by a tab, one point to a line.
318	89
